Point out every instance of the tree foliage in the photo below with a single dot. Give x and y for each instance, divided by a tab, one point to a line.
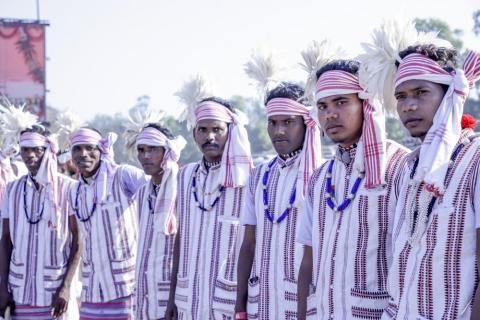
443	29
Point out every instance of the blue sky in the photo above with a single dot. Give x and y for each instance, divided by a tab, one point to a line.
103	54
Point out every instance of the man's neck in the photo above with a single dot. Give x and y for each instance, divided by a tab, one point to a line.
90	176
157	179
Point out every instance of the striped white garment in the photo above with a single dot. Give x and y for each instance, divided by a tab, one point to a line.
433	276
154	260
272	287
40	251
109	236
351	249
209	246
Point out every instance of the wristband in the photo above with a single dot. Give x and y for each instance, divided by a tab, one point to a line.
241	316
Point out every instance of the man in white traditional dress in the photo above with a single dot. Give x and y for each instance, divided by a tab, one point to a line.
269	256
211	195
434	274
102	201
40	249
346	230
158	152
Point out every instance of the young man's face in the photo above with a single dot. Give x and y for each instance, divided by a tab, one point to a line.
32	157
211	137
341	118
150	157
86	158
286	132
417	103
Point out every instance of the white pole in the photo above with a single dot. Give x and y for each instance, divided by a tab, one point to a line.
38	9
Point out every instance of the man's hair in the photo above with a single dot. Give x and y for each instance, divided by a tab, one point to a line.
350	66
287	90
40	129
218	100
163	130
445	57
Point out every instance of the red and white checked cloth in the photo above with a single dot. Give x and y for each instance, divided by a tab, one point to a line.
165	204
372	145
311	155
438	145
104	179
236	161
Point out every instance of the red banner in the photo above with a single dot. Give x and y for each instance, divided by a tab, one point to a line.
22	64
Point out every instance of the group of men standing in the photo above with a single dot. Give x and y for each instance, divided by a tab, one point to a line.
375	232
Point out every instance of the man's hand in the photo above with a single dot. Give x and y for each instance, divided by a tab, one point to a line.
171	313
60	301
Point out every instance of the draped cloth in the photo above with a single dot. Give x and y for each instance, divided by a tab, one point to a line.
236	162
443	135
372	146
310	156
165	204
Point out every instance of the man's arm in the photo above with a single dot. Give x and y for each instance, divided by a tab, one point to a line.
133	179
62	295
171	312
6	248
304	281
245	262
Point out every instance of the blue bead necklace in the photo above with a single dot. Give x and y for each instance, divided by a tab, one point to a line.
77	212
268	214
31	219
195	196
330	192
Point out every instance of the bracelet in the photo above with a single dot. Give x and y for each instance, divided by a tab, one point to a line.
241	316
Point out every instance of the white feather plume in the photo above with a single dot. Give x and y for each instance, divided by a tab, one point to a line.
14	120
377	63
314	57
264	69
192	92
66	123
138	118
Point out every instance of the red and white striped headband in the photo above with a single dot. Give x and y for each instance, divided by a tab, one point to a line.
281	106
33	140
212	110
336	82
151	137
85	136
417	66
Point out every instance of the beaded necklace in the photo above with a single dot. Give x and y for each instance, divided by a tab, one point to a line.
291	154
211	164
421	212
195	196
31	219
94	206
330	192
268	214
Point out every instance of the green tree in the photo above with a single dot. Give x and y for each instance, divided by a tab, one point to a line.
476	22
443	29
